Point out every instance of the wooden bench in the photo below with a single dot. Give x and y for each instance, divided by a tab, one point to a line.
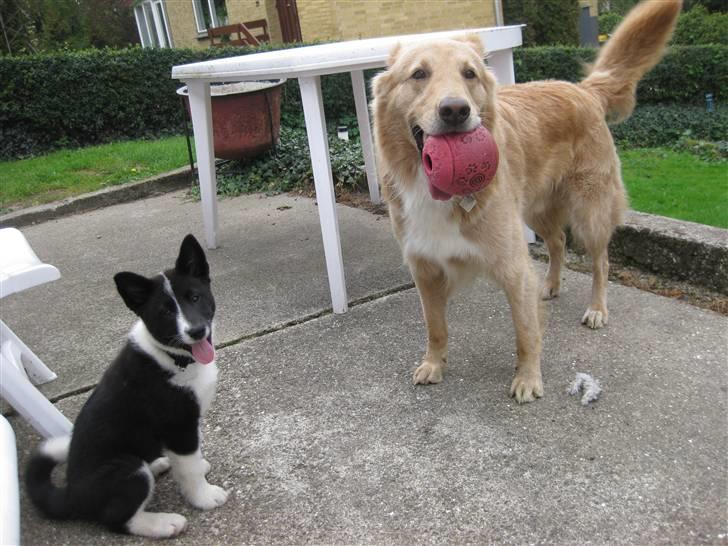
226	35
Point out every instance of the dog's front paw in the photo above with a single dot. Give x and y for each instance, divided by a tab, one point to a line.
207	496
526	387
428	372
595	318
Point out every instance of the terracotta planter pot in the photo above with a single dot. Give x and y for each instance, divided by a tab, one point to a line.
246	117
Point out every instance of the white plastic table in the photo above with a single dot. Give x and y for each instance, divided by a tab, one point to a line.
308	64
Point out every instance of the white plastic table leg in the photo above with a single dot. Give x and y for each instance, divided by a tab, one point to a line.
201	113
38	372
502	64
9	495
318	143
365	133
20	393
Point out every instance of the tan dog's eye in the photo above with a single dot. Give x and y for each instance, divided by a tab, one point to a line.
469	74
419	74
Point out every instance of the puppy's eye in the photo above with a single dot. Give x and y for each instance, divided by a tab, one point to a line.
194	298
469	74
419	74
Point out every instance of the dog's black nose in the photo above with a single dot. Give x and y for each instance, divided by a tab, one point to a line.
453	110
198	332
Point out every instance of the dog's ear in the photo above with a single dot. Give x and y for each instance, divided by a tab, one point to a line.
381	84
393	54
191	260
473	41
134	289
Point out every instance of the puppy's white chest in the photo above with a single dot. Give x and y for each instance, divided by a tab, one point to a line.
429	229
201	379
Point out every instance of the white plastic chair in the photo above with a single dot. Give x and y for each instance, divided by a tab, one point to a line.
21	269
9	498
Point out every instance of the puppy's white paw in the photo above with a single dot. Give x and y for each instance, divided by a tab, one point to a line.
595	318
428	372
156	524
159	466
207	496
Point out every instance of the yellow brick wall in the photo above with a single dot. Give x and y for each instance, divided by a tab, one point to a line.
354	19
274	24
180	14
181	20
317	19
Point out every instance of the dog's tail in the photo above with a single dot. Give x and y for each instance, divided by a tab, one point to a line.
636	46
51	500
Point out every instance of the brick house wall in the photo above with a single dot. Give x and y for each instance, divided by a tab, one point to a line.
351	19
327	20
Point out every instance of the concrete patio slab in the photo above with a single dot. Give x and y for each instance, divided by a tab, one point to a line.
322	438
269	267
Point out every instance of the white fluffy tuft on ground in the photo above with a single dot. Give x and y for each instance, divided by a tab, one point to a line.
591	387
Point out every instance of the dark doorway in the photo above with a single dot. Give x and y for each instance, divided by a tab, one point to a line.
288	16
588	29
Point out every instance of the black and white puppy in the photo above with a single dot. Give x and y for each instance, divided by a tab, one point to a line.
144	415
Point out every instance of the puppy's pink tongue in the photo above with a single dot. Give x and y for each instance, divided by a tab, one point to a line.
203	352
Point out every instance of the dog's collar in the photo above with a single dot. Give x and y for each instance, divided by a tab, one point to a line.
181	361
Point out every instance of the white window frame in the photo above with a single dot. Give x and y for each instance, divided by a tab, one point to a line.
152	24
200	19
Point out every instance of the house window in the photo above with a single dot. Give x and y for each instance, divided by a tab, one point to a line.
209	13
151	20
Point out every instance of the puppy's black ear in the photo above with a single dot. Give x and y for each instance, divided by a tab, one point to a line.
191	260
134	289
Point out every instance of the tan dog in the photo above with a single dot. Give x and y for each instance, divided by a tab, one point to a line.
558	166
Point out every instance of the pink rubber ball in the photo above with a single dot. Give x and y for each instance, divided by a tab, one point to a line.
459	163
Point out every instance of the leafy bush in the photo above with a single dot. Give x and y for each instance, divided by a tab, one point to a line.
288	166
652	125
704	149
548	22
685	75
608	22
698	26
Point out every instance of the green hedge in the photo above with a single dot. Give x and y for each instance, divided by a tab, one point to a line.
685	75
665	125
94	96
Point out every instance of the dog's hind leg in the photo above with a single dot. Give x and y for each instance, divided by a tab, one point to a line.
154	524
593	220
117	494
549	226
160	465
555	243
434	290
597	313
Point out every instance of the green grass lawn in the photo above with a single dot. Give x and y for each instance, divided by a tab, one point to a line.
66	173
659	181
676	184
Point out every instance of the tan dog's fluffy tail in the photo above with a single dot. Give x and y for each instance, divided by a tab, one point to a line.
636	46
